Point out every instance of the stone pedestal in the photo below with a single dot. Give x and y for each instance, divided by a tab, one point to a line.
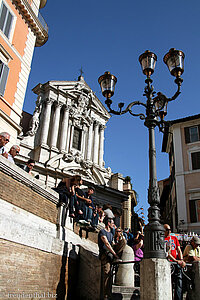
155	279
125	274
194	294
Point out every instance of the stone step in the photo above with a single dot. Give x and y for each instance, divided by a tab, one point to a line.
125	293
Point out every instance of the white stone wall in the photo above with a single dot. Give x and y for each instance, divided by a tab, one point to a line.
23	77
179	173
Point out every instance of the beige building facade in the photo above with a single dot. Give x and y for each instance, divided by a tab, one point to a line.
182	142
22	28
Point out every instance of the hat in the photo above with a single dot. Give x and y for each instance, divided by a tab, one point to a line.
196	240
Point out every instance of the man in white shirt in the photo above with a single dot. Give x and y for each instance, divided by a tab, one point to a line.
192	251
4	139
14	150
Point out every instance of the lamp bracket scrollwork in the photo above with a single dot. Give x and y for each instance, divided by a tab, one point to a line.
152	111
127	109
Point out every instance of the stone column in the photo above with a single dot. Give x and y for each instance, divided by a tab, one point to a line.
96	142
46	122
55	127
101	145
83	140
155	279
71	137
68	136
90	139
64	127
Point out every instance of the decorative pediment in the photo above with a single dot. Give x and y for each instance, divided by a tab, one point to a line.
82	97
74	164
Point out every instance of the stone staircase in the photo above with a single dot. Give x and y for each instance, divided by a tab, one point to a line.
125	293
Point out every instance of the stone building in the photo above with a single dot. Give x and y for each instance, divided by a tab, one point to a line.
180	198
66	137
22	27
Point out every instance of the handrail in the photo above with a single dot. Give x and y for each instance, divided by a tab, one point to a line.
175	263
125	262
184	272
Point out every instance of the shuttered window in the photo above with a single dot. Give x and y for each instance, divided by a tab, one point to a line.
195	160
6	19
192	134
3	77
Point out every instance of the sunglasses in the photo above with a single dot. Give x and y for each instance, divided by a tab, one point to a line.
168	229
31	165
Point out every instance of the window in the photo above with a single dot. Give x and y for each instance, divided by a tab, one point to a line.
3	77
77	138
6	19
194	211
192	134
195	160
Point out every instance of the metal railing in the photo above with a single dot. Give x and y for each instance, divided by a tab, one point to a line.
136	288
186	272
187	278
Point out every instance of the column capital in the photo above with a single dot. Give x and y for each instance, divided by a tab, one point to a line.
102	127
84	127
58	104
48	101
91	121
72	111
96	123
66	107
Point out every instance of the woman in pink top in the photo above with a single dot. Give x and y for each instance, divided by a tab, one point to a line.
138	252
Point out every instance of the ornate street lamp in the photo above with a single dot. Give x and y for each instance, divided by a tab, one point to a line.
156	110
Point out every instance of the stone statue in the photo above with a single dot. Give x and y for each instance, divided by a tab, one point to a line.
34	123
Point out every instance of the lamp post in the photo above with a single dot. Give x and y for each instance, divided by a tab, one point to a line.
156	109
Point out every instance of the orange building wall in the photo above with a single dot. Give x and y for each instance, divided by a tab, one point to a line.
19	43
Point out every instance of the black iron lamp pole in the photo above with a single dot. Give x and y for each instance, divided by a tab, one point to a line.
156	109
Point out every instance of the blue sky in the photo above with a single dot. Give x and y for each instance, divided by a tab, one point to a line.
109	35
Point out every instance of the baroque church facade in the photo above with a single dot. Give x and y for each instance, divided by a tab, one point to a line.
65	137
